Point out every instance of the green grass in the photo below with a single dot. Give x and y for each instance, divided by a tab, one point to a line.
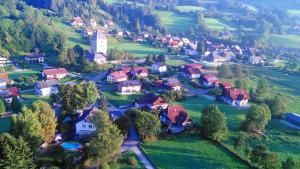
118	99
174	21
287	41
16	75
218	24
184	152
294	12
136	49
188	8
5	124
30	97
123	163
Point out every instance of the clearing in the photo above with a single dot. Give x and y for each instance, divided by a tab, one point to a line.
189	8
287	41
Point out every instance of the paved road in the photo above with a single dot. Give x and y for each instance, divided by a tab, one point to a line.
132	143
100	76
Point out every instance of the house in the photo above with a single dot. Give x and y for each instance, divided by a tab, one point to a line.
159	67
47	88
193	65
236	97
175	116
77	21
118	76
4	61
84	125
151	101
56	73
88	32
209	80
126	69
35	57
4	80
93	23
173	84
220	56
8	93
255	60
293	118
115	115
193	73
98	58
98	43
139	72
185	41
108	23
129	87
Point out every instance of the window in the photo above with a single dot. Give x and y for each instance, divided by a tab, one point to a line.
83	126
90	126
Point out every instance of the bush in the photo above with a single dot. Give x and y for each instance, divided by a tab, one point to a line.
132	161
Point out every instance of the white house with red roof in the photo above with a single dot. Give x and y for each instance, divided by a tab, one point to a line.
139	72
209	80
55	73
77	21
236	97
159	67
193	70
151	101
118	76
4	80
8	93
175	116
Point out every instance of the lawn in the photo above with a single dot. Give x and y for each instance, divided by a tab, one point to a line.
118	99
294	12
175	21
15	75
218	24
5	124
287	41
123	163
136	49
30	97
184	152
188	8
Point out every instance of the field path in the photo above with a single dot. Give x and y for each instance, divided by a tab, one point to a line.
132	143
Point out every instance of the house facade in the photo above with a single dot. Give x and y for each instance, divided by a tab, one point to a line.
209	80
84	124
118	76
236	97
4	80
4	61
129	87
35	57
159	67
8	93
56	73
139	72
47	88
151	101
175	116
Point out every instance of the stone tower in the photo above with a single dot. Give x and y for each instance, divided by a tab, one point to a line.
98	43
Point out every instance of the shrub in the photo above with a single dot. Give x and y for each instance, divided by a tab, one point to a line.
132	161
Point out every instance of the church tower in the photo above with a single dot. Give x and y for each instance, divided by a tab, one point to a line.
98	43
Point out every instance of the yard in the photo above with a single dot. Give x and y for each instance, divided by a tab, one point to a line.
184	152
5	124
119	99
30	96
136	49
15	75
123	162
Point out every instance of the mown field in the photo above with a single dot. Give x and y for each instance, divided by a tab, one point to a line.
118	99
287	41
136	49
218	24
187	8
282	4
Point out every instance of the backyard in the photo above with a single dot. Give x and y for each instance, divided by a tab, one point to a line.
119	99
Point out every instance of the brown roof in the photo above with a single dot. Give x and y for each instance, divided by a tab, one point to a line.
193	71
193	65
226	85
210	78
119	75
173	82
151	99
238	94
177	114
130	83
9	92
55	71
3	76
139	70
46	84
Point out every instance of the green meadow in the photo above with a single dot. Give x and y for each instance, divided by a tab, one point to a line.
187	8
287	41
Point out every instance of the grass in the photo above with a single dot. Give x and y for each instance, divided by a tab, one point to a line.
183	152
136	49
15	75
294	12
5	124
118	99
30	97
218	24
187	8
175	21
123	162
287	41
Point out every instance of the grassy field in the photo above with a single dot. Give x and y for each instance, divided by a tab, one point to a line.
15	75
174	21
123	162
287	41
187	152
136	49
30	97
218	24
294	12
190	8
118	99
5	124
282	4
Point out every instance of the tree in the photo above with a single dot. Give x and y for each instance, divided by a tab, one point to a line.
278	106
262	87
15	153
237	71
240	142
257	119
201	47
15	105
258	154
225	71
213	122
47	119
2	106
27	125
289	163
105	142
241	84
147	125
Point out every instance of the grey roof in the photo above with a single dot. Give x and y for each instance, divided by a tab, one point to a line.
98	35
48	83
86	114
130	83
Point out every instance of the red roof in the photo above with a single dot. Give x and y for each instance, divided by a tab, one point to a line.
177	114
140	70
77	20
3	76
210	78
126	69
238	94
174	43
152	99
226	85
193	71
119	75
194	65
55	71
9	92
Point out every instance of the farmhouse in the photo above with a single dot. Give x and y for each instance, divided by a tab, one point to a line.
220	56
88	32
173	84
175	116
4	80
84	124
92	23
193	73
129	87
35	57
98	58
77	21
209	80
8	94
56	73
159	67
118	76
47	88
139	72
256	60
4	61
236	97
151	101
